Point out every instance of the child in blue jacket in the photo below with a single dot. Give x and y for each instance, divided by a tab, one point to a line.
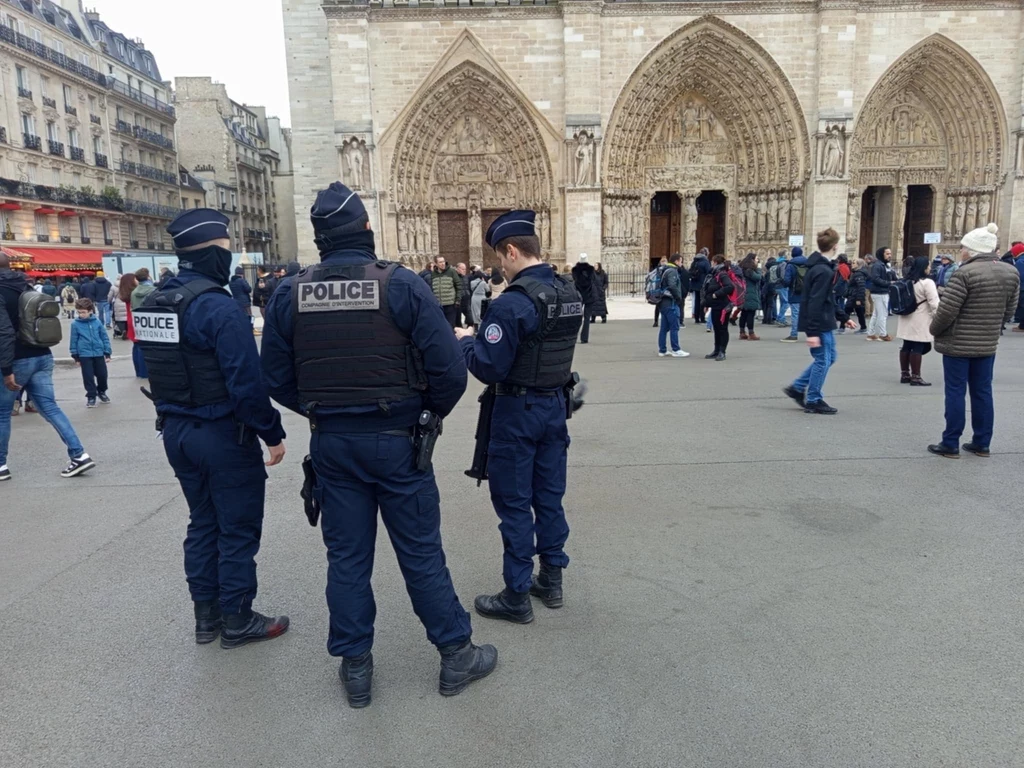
90	347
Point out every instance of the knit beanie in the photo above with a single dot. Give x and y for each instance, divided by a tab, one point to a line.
1017	250
797	252
981	240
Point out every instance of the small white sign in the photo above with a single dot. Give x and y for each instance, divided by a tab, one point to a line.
932	238
336	295
158	327
796	241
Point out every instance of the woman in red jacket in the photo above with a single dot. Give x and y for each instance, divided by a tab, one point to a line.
124	291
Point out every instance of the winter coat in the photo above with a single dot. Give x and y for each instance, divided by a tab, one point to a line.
102	287
50	289
586	282
1019	264
241	292
699	271
753	279
479	290
87	291
794	264
673	286
858	285
721	287
600	305
916	325
446	285
120	310
89	338
68	296
818	307
979	298
943	274
141	291
880	278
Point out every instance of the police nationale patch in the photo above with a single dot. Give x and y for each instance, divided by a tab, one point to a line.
156	327
338	295
493	333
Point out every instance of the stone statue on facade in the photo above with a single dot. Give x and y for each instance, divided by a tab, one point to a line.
584	160
832	156
958	217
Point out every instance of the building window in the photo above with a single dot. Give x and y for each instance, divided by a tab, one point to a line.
56	177
73	137
125	153
28	124
76	180
42	228
131	231
33	172
120	113
223	199
64	227
23	81
97	145
149	233
184	203
37	35
106	231
86	60
234	200
69	97
83	227
58	46
92	105
138	119
44	86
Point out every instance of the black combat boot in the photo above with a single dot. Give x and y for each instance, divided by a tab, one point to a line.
250	627
547	585
208	620
357	676
462	664
507	605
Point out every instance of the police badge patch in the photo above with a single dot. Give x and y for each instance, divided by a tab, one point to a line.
493	333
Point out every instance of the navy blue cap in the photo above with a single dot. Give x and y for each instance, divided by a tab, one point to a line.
511	224
198	225
337	206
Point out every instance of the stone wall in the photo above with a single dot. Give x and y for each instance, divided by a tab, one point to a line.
578	67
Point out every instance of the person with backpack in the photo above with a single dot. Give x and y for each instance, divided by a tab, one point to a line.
585	278
855	294
668	286
776	278
796	273
752	277
27	363
600	308
914	326
651	281
767	294
881	278
68	297
842	274
719	292
818	322
699	271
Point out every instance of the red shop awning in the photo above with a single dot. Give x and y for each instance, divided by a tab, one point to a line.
42	256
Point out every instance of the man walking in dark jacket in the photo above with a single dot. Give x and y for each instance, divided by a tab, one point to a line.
796	274
241	292
818	323
102	287
880	278
699	271
671	307
585	278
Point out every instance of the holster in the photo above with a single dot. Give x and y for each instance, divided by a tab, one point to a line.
428	428
311	505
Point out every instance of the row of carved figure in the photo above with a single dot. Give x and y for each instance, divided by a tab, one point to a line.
769	215
965	211
415	229
414	232
623	219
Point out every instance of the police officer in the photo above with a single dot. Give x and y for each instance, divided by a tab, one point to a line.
525	348
361	348
205	376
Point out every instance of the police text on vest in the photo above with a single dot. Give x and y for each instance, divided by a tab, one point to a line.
159	327
335	295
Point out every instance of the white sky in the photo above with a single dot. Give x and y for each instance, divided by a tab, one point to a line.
236	42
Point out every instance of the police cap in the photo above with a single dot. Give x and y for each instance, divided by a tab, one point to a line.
198	225
511	224
338	207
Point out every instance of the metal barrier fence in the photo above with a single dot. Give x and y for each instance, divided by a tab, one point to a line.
626	280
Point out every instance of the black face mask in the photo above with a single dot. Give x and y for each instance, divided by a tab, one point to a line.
213	261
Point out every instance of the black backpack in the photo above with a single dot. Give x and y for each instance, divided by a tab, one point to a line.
902	299
694	275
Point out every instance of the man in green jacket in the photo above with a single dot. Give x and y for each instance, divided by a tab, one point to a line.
446	284
979	298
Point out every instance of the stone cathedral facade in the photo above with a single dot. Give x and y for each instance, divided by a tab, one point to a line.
637	128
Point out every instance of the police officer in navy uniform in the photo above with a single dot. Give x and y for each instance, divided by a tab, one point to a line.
361	348
205	375
525	348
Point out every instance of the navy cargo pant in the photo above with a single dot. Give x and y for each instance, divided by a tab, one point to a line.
224	484
526	464
357	474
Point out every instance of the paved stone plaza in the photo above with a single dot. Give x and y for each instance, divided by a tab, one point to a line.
751	586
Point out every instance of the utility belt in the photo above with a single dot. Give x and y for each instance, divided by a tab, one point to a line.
510	390
243	433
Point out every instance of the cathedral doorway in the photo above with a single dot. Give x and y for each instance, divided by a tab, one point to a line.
711	209
453	236
918	221
666	215
489	257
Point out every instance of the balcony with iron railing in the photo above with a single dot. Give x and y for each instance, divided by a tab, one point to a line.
101	161
32	142
3	135
151	245
122	127
55	147
151	209
138	96
86	240
95	119
66	63
69	110
77	153
147	172
108	241
24	93
48	102
133	243
42	238
65	238
152	137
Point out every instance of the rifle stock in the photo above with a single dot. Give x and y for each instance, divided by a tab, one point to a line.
478	471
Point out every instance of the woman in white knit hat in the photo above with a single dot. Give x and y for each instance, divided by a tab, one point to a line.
980	297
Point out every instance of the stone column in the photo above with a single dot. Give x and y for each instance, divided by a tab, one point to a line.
476	238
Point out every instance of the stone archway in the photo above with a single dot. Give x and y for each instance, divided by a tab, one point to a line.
469	148
933	121
686	123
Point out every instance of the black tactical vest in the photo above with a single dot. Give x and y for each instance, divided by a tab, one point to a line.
544	360
178	373
348	350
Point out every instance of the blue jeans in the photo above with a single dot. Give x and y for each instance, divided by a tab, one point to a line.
36	375
796	320
783	294
103	312
812	380
669	326
976	373
710	314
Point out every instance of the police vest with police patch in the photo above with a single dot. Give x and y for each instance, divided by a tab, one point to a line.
178	372
348	350
544	359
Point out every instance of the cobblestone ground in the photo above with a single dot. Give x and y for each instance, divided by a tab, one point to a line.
750	586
